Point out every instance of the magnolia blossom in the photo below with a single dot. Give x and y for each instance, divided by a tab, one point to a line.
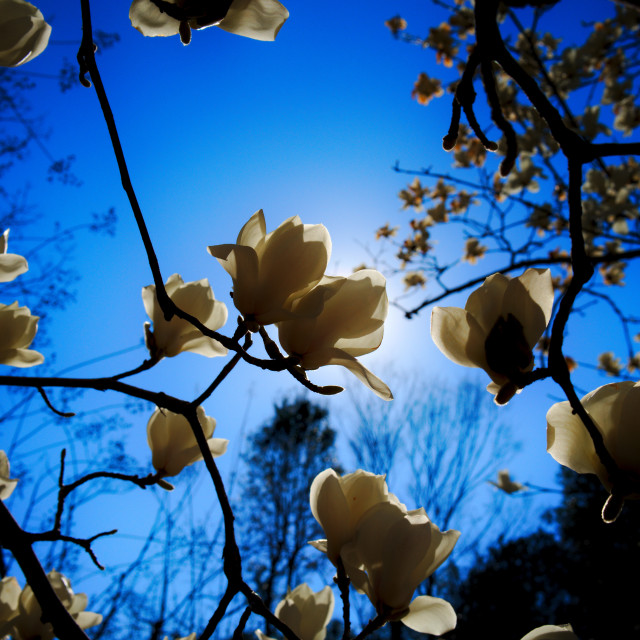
17	331
552	632
173	445
305	612
498	328
506	484
26	624
23	32
338	503
270	270
9	596
350	324
11	264
7	485
169	338
256	19
394	550
614	408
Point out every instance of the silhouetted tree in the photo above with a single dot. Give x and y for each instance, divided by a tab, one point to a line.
575	576
284	457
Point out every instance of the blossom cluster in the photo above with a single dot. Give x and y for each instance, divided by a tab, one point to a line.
279	278
20	613
386	550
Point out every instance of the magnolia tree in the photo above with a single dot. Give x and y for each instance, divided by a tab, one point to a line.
307	319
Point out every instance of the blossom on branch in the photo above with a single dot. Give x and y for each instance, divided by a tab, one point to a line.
26	622
256	19
172	443
395	550
24	34
506	484
614	408
17	331
305	612
169	338
350	324
271	270
11	264
7	485
339	502
497	330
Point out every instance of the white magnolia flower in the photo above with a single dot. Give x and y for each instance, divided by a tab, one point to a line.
17	331
177	335
27	624
23	32
9	596
11	264
271	270
498	328
614	408
395	550
305	612
339	502
256	19
506	484
350	324
7	485
172	443
552	632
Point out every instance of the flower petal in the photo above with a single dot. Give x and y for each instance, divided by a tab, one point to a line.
459	336
150	21
256	19
363	374
11	266
569	443
430	615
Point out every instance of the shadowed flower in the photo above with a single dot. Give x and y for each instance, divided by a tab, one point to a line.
395	550
306	613
177	335
506	484
11	264
172	443
338	503
350	324
27	625
552	632
498	328
614	408
9	596
7	485
23	32
17	331
270	270
256	19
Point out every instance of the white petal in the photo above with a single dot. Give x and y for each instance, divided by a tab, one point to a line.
257	19
430	615
11	266
363	374
569	443
459	336
552	632
150	21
